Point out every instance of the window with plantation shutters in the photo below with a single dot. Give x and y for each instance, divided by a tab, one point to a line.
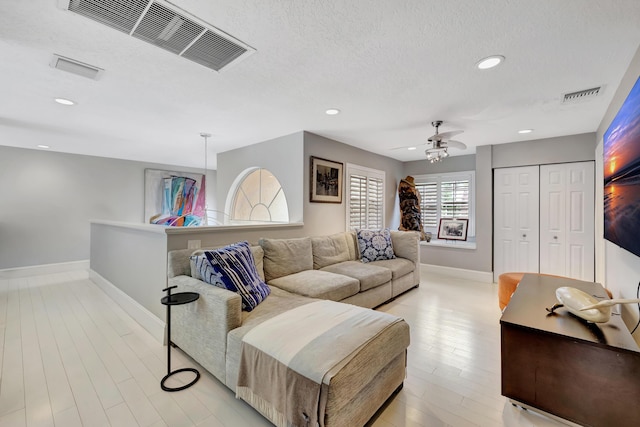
365	198
454	198
428	203
446	196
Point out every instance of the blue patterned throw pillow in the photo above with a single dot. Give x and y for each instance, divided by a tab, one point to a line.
375	245
233	268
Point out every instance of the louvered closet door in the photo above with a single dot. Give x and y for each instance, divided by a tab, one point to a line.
567	207
515	223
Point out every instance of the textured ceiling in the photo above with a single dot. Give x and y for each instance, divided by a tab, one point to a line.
392	67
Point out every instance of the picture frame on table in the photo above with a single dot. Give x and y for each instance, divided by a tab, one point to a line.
453	229
326	181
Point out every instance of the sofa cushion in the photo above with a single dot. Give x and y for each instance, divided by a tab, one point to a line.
318	284
368	275
286	256
375	245
398	266
232	268
352	243
329	250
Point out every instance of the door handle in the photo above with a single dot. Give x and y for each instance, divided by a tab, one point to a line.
555	237
524	235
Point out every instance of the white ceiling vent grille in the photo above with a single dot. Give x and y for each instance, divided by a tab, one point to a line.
119	14
581	95
160	24
76	67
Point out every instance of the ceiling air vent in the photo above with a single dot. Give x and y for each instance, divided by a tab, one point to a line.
581	95
76	67
162	24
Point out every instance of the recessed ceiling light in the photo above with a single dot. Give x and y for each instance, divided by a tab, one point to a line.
489	62
332	111
411	148
525	131
43	146
64	101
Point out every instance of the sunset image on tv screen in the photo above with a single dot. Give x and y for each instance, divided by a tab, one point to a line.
622	175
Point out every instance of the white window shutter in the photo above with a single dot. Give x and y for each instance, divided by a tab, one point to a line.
428	203
357	201
454	199
366	198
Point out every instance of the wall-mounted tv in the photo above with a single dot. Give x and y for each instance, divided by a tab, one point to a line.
622	175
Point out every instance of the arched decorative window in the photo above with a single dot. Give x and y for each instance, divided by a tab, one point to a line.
258	197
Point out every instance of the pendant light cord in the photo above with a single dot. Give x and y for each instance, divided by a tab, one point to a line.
206	167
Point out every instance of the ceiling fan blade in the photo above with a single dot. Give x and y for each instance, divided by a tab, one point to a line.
405	147
447	135
456	144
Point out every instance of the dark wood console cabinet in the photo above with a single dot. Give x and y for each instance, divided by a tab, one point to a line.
582	372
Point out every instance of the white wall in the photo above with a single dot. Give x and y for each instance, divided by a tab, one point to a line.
450	164
478	259
288	158
561	149
622	268
328	218
571	148
282	156
48	198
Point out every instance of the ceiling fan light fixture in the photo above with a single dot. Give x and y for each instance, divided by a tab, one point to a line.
489	62
440	143
436	154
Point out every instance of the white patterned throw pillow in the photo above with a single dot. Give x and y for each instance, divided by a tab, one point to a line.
375	245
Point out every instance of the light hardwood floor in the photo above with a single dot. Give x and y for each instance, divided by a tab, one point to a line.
71	357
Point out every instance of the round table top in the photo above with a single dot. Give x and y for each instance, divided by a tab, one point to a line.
180	298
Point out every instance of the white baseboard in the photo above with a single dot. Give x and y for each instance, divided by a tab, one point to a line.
144	317
40	270
460	273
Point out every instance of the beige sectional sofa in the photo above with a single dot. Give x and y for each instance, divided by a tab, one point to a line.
329	267
300	271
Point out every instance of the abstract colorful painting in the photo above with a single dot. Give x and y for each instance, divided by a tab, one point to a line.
174	198
622	175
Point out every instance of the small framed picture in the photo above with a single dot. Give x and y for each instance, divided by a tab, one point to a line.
453	229
326	181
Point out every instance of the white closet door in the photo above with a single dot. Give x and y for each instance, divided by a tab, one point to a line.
515	227
567	207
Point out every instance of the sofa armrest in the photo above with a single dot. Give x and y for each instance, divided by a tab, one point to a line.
406	244
200	328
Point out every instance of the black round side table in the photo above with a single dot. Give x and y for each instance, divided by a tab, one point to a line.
169	300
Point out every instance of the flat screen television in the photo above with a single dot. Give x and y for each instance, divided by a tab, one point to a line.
622	175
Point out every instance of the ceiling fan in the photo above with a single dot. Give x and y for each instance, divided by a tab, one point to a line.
441	142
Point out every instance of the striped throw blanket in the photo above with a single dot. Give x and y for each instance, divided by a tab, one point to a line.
287	362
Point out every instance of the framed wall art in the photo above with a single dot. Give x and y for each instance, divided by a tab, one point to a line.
453	229
326	181
174	198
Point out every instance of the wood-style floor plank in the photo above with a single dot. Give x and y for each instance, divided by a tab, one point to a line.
70	356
